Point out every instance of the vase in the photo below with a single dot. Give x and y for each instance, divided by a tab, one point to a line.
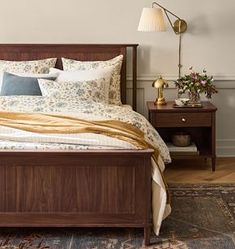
194	98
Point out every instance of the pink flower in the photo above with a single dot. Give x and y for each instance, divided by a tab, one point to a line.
203	82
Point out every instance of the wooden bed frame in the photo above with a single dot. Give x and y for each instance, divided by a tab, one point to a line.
80	188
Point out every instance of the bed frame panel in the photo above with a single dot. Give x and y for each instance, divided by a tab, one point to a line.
105	188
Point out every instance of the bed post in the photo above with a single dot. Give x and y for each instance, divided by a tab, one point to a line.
147	233
148	199
134	76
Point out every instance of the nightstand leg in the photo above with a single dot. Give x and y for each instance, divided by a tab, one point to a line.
213	162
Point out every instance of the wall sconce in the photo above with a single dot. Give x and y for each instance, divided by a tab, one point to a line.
152	20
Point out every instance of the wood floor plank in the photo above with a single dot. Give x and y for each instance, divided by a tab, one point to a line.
199	171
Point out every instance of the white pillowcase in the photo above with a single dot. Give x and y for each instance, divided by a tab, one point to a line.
80	75
85	75
38	75
93	90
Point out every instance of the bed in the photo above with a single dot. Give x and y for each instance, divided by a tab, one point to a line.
77	187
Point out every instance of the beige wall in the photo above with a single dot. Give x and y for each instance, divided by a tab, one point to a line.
209	42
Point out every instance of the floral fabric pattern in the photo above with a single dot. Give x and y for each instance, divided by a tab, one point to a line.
95	90
114	90
11	145
36	67
88	110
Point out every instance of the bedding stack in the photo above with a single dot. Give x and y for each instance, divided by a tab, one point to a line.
44	108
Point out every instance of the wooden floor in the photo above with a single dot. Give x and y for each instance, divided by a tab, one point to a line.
199	171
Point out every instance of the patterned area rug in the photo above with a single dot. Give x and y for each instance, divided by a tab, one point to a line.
203	217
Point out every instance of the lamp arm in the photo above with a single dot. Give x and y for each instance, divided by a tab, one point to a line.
172	26
179	27
166	10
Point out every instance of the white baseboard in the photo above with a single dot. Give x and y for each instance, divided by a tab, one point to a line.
225	147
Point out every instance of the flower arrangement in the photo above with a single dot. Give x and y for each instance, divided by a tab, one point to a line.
196	83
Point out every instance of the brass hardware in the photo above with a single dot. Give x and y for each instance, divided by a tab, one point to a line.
183	120
152	20
160	84
180	26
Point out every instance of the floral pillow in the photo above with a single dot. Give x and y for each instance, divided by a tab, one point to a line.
114	89
25	67
37	66
94	90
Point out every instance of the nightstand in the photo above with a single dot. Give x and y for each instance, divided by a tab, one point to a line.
198	122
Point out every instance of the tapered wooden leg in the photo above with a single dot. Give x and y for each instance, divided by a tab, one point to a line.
147	234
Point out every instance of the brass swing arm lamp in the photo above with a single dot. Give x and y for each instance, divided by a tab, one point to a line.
152	21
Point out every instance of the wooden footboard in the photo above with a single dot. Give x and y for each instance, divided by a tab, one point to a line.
76	189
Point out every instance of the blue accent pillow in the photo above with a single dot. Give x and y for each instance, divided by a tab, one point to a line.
17	85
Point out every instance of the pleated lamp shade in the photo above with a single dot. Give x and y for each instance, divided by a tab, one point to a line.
152	20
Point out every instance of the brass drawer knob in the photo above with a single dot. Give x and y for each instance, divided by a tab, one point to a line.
183	120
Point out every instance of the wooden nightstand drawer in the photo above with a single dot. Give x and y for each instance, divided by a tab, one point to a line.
181	119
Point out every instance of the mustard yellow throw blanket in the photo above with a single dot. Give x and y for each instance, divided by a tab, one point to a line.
48	123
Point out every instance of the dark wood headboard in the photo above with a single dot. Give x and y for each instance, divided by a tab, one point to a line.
83	52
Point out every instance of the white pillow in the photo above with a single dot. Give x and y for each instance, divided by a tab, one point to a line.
114	90
93	90
80	75
39	75
84	75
